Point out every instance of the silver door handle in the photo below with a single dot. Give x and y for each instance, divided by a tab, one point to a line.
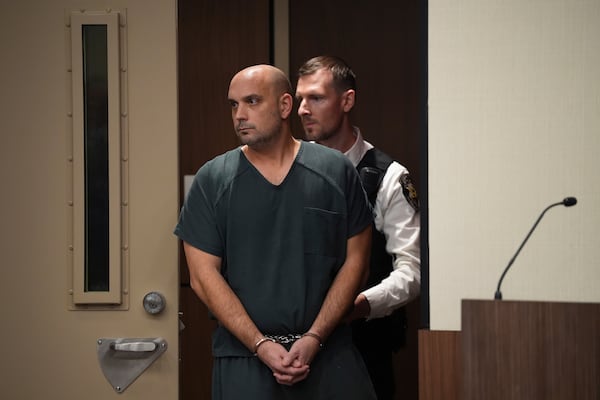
134	346
122	360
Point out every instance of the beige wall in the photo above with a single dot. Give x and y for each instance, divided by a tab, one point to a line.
49	351
514	125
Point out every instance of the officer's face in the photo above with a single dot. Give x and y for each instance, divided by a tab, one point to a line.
320	105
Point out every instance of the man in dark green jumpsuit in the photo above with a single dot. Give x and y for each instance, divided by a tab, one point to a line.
277	235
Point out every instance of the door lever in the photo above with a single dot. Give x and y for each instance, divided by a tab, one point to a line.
123	360
133	346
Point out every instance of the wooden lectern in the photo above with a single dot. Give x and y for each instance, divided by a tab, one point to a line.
530	350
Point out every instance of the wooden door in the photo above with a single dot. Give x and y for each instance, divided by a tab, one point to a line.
50	343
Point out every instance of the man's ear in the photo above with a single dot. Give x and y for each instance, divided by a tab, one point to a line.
348	98
286	104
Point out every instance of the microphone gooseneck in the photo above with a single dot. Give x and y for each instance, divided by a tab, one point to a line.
567	202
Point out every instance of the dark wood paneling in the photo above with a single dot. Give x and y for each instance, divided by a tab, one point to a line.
406	359
439	365
215	40
195	344
522	350
382	41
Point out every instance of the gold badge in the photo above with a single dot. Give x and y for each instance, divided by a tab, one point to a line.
409	191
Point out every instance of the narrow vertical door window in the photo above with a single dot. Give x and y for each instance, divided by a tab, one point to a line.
98	159
96	176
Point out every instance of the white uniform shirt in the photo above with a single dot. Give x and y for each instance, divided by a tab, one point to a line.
400	223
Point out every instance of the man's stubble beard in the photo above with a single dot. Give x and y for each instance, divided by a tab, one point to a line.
318	136
261	140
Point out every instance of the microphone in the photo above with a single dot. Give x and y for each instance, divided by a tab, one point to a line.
567	202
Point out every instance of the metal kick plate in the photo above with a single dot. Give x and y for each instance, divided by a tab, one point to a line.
123	360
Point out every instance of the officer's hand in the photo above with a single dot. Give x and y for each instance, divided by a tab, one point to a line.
361	309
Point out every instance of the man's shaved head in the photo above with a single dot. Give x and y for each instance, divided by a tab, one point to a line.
267	74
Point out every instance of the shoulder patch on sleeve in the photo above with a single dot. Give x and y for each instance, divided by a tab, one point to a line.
409	191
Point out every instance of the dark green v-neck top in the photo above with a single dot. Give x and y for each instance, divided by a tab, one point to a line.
281	245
